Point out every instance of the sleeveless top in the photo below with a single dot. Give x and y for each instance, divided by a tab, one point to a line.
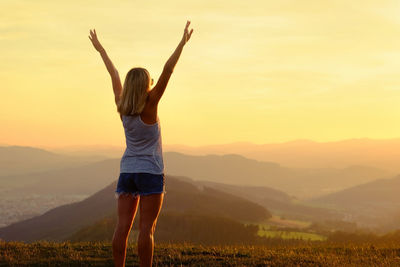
143	151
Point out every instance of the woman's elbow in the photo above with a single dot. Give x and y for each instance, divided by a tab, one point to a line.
168	68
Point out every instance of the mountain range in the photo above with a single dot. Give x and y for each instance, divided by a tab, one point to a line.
182	197
356	193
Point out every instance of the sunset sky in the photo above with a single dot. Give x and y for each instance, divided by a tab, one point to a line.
256	71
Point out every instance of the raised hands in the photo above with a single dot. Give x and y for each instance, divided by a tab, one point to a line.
186	33
95	41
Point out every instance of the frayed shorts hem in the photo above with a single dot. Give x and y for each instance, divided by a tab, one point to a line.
137	194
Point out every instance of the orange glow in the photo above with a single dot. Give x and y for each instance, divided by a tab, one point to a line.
257	71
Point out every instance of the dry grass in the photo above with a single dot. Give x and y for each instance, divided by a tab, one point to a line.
99	254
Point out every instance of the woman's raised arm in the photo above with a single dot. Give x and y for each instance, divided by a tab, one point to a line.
116	82
156	93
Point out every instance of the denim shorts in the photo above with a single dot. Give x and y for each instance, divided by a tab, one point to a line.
140	184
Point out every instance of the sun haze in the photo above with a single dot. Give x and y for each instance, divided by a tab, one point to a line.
256	71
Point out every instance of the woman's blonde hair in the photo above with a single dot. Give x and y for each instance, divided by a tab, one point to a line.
135	92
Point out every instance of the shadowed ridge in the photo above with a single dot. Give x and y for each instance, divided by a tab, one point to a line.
59	223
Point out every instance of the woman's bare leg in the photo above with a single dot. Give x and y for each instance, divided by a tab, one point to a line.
150	207
127	207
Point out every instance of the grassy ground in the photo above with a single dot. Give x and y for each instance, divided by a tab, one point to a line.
99	254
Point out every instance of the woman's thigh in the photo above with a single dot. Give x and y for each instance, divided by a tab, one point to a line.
127	207
150	207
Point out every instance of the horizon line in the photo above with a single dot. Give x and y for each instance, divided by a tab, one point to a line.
206	145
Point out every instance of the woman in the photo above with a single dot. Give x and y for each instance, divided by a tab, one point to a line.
141	177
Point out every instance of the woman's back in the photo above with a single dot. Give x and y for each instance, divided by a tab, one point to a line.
143	151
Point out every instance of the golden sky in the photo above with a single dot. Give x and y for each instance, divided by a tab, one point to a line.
257	71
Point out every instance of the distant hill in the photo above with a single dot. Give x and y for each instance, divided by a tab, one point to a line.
17	160
238	170
82	179
381	154
228	169
369	204
189	198
392	223
277	202
92	177
297	153
61	222
102	151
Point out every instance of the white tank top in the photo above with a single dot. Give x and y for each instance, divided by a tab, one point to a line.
143	151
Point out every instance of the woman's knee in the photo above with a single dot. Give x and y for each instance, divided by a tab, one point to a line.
123	229
147	228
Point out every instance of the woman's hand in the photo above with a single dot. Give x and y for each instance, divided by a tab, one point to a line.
186	33
95	41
